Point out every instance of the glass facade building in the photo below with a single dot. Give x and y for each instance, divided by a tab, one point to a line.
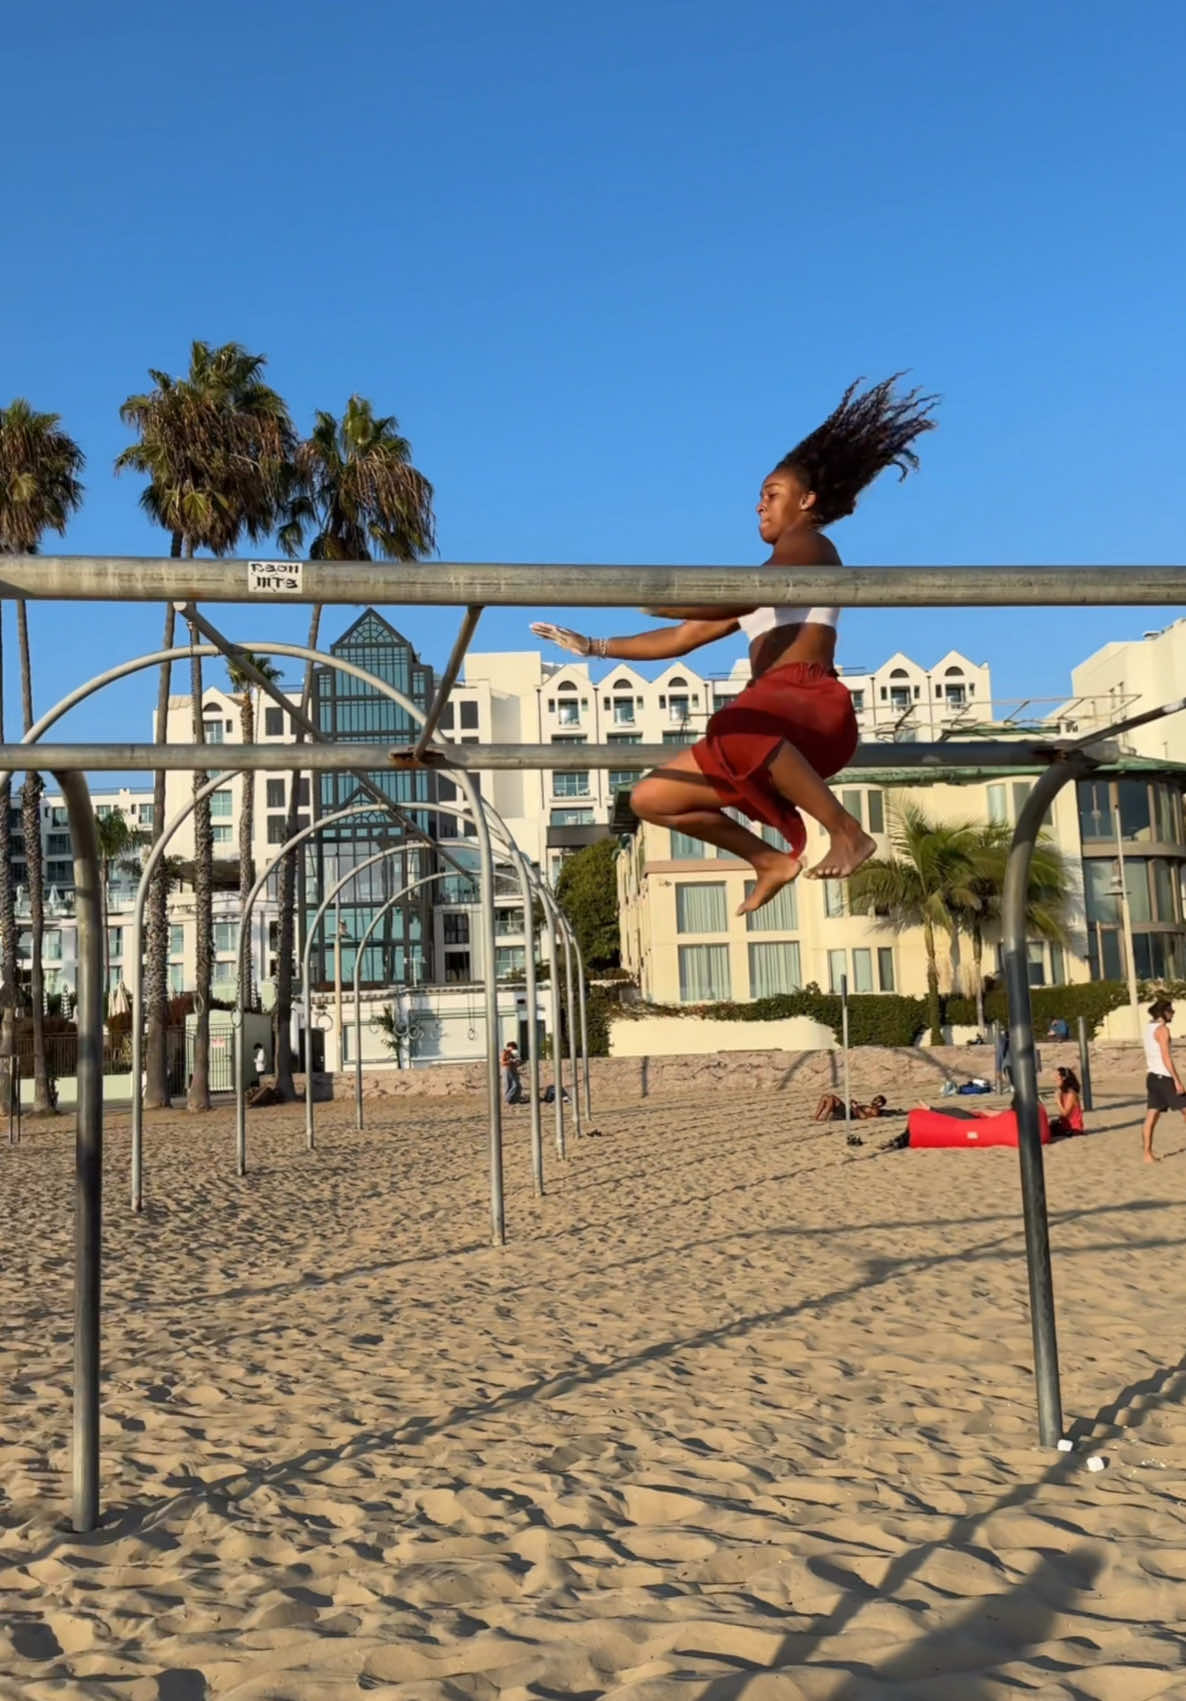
349	711
1134	822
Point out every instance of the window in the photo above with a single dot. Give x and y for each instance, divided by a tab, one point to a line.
858	701
509	960
834	899
456	928
146	814
1058	970
998	807
568	714
774	969
226	937
446	721
701	908
222	835
176	940
684	736
684	849
1095	810
622	779
1036	962
176	979
222	803
508	922
469	716
885	968
212	731
677	709
851	800
571	817
862	969
275	829
837	970
956	696
1132	797
624	711
457	965
572	784
52	946
275	794
1021	790
899	697
59	816
875	803
703	973
115	941
780	915
565	738
273	723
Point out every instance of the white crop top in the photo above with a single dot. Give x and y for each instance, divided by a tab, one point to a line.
764	620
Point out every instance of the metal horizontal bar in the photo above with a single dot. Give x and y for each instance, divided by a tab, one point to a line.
122	578
1007	754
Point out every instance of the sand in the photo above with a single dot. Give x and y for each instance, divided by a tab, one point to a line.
738	1412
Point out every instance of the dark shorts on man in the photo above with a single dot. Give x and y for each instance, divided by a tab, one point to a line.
1161	1094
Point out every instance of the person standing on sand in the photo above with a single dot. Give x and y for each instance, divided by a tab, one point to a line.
768	753
1163	1084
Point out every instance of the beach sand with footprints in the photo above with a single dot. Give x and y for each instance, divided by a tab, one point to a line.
738	1411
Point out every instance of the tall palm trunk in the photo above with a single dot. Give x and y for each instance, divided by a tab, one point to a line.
156	933
198	1096
286	897
933	1009
246	850
35	875
978	971
8	955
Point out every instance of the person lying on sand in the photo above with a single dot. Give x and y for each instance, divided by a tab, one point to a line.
831	1109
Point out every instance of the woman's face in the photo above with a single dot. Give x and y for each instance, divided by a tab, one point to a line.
783	502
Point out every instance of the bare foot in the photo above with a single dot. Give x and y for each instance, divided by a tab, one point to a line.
771	880
1150	1159
847	849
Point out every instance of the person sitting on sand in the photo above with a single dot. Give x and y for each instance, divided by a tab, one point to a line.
831	1109
1070	1106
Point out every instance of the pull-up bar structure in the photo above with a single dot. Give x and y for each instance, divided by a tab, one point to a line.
475	585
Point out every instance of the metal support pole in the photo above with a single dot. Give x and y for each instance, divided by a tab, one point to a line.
531	993
88	1197
1025	1093
137	988
237	1015
584	1009
570	999
557	1040
498	1226
306	989
448	679
1085	1066
1130	956
844	1046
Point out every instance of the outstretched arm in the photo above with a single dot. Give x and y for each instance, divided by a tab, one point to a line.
662	644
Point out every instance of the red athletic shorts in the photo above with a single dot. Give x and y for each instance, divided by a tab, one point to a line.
802	704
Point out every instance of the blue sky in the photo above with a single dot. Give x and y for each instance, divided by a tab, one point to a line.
607	264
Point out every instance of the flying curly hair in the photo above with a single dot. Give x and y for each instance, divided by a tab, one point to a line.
865	434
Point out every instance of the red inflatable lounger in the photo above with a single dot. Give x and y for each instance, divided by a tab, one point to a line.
931	1129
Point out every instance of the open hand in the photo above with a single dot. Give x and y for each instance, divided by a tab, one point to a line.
562	635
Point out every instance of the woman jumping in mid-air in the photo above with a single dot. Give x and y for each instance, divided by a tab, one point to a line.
768	752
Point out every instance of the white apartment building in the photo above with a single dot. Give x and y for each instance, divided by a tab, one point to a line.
1129	676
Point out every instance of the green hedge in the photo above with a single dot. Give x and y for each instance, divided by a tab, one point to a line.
891	1019
1092	999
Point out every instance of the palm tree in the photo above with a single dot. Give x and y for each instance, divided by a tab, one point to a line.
39	490
118	841
355	489
216	447
923	884
1047	899
246	688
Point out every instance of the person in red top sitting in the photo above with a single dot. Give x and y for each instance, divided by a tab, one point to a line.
1070	1106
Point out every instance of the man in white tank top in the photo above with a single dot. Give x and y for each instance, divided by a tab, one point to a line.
1163	1084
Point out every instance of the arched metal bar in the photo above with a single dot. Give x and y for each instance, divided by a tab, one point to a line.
297	839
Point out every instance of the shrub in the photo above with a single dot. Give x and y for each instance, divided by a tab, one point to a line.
1091	999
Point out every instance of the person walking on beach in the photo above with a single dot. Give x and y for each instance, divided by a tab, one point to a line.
512	1086
1163	1084
768	753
